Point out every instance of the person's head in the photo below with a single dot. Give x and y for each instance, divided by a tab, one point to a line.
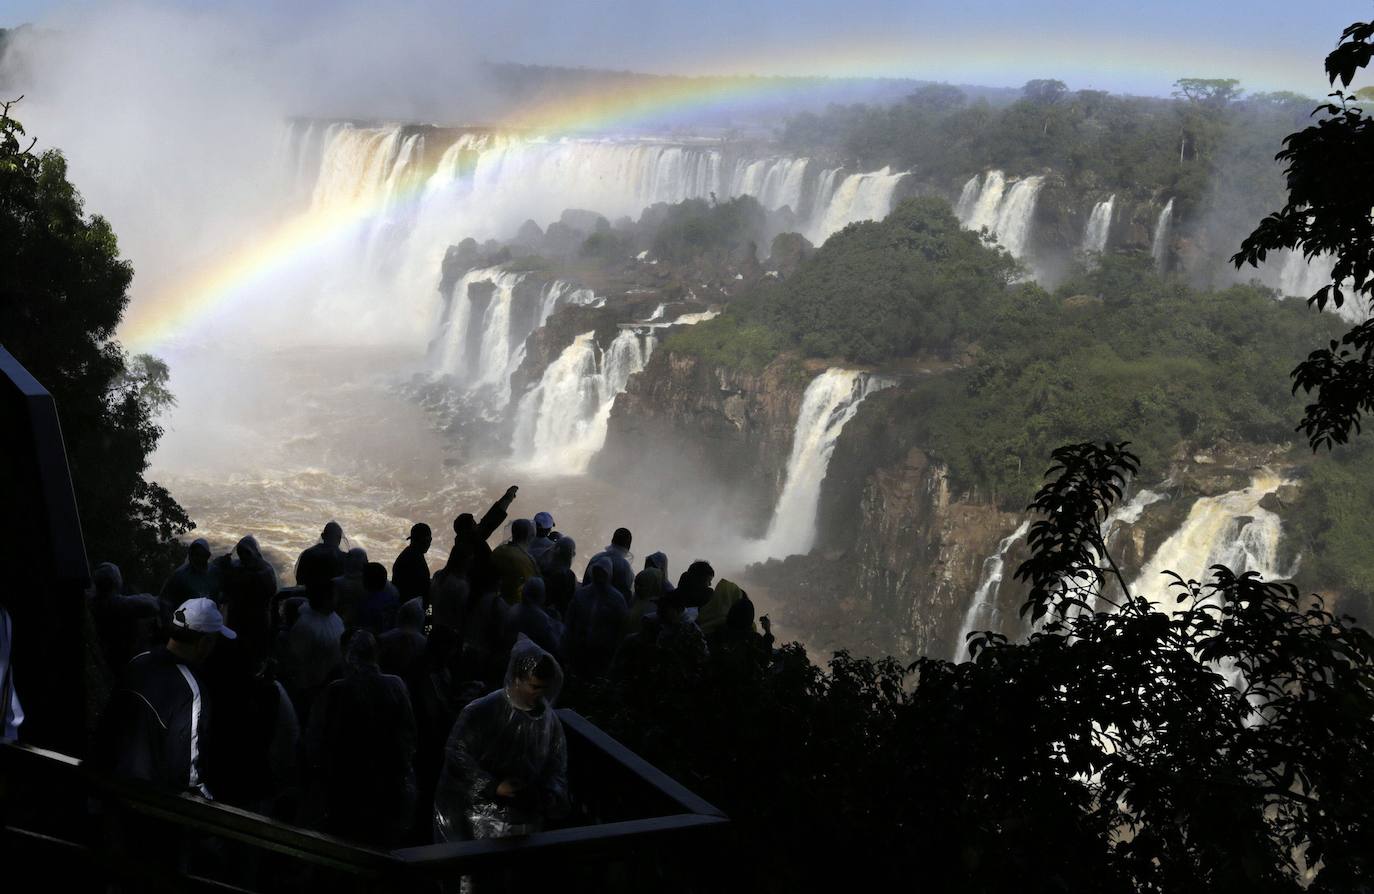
601	571
290	611
543	524
670	608
247	550
107	579
361	653
196	626
198	554
411	615
698	574
521	531
741	615
564	551
533	591
464	525
421	536
659	561
622	538
528	689
648	584
355	561
332	534
374	577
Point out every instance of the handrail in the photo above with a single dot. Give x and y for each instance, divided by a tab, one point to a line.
431	860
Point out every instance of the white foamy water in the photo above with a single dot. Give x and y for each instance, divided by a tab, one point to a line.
1007	212
1099	226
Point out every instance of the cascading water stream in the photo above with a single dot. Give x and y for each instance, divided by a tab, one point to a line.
983	613
1006	211
1159	245
829	402
1099	226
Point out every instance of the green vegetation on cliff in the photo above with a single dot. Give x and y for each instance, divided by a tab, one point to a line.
915	283
1114	353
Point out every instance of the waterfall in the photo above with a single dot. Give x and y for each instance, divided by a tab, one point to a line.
858	197
830	401
1099	226
1007	213
1231	529
1159	245
982	612
561	423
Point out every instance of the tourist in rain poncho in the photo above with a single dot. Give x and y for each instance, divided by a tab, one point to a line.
506	763
595	621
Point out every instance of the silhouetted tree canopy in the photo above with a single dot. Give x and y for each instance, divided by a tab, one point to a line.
1330	178
63	289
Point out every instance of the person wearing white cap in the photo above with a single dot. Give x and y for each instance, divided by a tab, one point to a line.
154	727
544	537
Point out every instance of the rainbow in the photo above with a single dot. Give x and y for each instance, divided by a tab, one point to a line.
168	309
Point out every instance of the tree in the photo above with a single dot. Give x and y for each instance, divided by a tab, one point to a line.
1044	91
1208	91
937	98
1330	175
63	290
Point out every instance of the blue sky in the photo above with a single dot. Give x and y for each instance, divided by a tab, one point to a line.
1137	46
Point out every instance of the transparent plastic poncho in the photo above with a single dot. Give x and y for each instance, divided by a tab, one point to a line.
494	740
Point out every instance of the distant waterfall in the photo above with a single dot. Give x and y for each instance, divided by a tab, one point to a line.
1159	246
830	401
858	197
561	423
776	183
982	612
1099	226
482	334
1007	213
1231	529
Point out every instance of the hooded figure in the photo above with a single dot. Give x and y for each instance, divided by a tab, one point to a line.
713	614
648	589
506	762
595	620
512	560
660	561
617	552
194	577
560	582
531	619
249	585
360	746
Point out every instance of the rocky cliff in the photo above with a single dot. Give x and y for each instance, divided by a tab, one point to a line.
688	426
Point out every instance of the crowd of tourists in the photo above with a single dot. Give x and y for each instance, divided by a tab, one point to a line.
390	708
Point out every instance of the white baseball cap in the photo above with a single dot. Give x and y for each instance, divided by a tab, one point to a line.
201	615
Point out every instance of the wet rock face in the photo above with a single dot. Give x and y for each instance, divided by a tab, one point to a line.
686	424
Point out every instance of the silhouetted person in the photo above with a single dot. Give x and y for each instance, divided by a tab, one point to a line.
474	535
360	749
410	571
648	590
125	623
618	553
349	592
694	586
249	583
380	600
531	618
560	581
315	649
401	650
660	561
159	716
193	577
447	603
512	560
711	617
318	565
543	541
595	621
506	763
